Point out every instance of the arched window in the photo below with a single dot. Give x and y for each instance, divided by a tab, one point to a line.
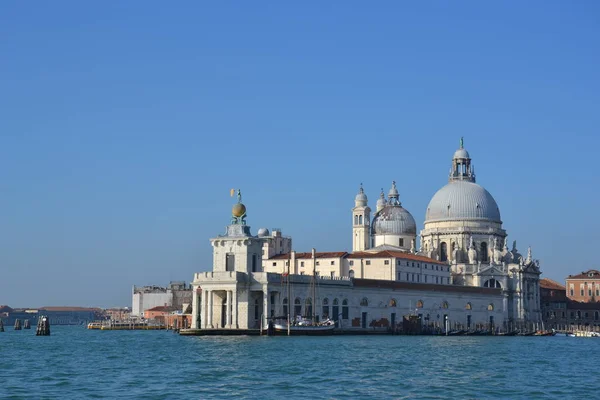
393	303
297	307
492	283
364	302
360	219
308	307
445	305
484	252
345	309
420	304
325	313
468	306
491	307
356	220
443	252
285	306
335	309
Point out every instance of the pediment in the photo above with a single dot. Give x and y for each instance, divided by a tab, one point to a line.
491	270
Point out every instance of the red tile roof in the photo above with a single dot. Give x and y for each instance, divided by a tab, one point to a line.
546	283
430	287
586	275
162	308
395	254
330	254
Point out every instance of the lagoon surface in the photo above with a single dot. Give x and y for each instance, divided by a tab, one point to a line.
77	363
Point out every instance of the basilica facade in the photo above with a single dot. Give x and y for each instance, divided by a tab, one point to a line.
458	270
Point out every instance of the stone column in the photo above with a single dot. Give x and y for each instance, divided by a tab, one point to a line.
229	309
209	321
234	309
195	310
266	308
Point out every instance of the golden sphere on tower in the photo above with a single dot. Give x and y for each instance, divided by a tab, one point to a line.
238	210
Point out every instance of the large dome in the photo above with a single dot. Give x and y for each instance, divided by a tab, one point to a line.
394	220
462	200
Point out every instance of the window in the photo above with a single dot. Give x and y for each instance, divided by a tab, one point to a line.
572	294
285	306
360	219
256	309
308	307
437	267
229	262
590	292
483	252
399	276
581	291
287	263
407	277
413	264
399	262
317	263
274	264
302	263
301	272
333	263
418	278
425	266
364	302
586	315
443	252
572	314
392	302
368	262
335	310
325	312
297	307
413	277
425	278
254	266
445	305
332	274
351	263
491	307
468	306
386	262
596	316
356	220
401	242
420	304
345	309
437	279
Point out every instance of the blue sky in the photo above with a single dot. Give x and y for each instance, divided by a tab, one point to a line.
123	125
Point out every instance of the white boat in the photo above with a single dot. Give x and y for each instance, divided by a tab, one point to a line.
305	327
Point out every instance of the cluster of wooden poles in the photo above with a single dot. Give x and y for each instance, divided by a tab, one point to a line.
43	326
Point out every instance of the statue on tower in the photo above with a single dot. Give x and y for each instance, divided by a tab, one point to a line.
238	211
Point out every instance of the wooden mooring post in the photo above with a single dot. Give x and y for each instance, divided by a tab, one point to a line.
1	325
17	324
43	326
26	324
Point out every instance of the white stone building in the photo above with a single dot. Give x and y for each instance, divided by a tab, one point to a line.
460	273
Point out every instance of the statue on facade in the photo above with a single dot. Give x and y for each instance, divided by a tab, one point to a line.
529	258
455	254
412	246
472	253
422	244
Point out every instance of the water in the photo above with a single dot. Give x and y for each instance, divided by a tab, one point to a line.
76	363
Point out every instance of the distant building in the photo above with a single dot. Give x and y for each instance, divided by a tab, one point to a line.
559	311
146	297
584	287
56	315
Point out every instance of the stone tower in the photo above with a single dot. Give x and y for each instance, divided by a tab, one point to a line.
361	217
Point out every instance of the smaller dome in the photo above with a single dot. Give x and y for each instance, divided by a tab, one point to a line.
461	153
262	232
394	220
238	210
361	198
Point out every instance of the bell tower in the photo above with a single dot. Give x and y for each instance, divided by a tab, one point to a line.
361	221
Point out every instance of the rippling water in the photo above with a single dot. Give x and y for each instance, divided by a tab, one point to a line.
79	363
